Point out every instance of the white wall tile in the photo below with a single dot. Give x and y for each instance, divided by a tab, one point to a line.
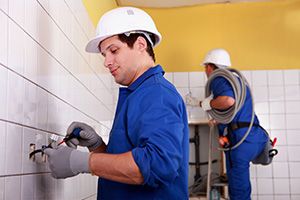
275	77
55	64
264	186
3	37
292	107
295	197
293	156
17	11
42	109
293	137
13	187
282	155
15	97
291	77
262	108
27	187
30	61
13	154
169	76
197	79
253	169
280	169
30	104
31	17
16	47
277	121
292	121
259	78
39	189
2	188
265	197
281	186
3	89
50	186
276	93
198	92
264	171
4	5
248	76
260	93
181	79
253	186
295	185
277	107
2	147
183	92
294	169
264	120
281	136
280	197
292	92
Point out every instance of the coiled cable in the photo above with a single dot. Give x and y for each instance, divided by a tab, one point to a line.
239	85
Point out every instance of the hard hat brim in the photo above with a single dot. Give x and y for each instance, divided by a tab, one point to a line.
92	45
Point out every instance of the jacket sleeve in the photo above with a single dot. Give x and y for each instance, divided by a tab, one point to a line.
158	134
221	87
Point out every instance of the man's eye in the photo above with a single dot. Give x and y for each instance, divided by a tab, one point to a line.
114	51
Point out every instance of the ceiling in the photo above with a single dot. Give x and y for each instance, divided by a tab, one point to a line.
173	3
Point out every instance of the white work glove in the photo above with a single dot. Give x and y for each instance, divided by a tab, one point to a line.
205	104
88	136
66	162
192	101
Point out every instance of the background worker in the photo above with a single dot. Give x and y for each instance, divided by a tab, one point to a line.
147	153
222	98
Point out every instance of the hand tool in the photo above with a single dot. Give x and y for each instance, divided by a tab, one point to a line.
74	134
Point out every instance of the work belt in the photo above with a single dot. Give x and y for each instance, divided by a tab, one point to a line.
237	125
233	127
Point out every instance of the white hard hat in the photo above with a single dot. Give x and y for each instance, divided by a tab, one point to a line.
123	20
219	57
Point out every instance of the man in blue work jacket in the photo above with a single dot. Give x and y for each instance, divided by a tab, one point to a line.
222	98
147	153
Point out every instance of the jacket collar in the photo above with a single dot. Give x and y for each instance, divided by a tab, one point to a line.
150	72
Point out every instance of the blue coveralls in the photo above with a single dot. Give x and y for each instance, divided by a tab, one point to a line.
151	122
238	160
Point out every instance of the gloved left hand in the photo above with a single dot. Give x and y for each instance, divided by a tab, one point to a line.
66	162
88	136
205	104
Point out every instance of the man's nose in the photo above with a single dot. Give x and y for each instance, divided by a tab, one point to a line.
108	61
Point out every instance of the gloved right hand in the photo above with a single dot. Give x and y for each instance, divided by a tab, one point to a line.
66	162
88	136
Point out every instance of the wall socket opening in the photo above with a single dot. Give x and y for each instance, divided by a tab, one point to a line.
31	149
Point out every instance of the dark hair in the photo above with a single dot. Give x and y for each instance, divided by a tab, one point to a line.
130	40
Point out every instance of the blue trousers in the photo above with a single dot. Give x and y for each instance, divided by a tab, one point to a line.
238	162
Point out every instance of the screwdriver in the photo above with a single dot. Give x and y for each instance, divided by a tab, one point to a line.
74	134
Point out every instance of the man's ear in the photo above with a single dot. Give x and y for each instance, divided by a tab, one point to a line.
141	43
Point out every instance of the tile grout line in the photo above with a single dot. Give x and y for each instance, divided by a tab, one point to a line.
57	61
71	41
41	87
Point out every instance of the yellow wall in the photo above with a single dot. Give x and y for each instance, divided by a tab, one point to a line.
96	8
262	35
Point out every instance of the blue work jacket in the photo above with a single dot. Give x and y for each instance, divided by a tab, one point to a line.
221	87
151	122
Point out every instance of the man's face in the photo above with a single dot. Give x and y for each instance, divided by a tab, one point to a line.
121	60
208	69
